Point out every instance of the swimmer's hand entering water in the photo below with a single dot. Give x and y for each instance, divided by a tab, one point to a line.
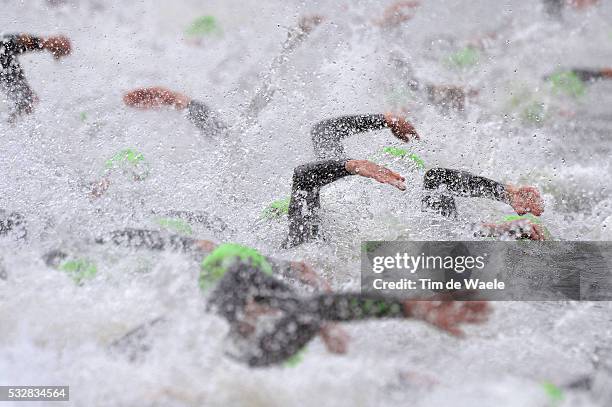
335	338
400	127
525	199
59	46
154	97
447	315
381	174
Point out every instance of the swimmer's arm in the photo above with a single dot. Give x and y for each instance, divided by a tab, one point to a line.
320	173
336	129
462	183
203	117
587	75
58	46
156	96
21	43
443	314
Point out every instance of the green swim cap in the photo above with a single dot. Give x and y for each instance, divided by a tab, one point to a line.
130	161
567	82
465	57
554	392
176	225
276	209
214	266
401	153
79	269
295	359
203	25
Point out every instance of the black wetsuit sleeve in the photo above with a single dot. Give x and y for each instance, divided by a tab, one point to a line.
457	183
351	307
148	239
462	183
587	75
12	77
205	118
10	45
305	198
327	135
292	332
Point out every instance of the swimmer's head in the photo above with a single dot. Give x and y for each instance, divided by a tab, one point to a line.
217	263
130	162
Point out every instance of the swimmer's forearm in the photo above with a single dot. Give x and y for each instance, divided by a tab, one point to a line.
355	306
318	174
462	183
31	43
327	135
20	43
341	127
586	75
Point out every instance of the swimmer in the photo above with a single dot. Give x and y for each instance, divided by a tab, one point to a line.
446	97
12	77
398	13
202	116
328	134
242	290
144	239
587	75
155	240
554	8
128	162
265	91
309	178
523	199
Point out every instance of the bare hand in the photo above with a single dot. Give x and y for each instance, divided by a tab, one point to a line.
400	127
308	276
381	174
525	200
308	23
398	12
59	46
157	96
447	315
335	338
98	188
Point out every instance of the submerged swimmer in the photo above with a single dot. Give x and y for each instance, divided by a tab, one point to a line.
12	77
585	74
327	135
143	239
202	116
308	179
446	97
442	185
243	290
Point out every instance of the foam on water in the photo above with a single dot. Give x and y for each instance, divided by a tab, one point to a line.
54	331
